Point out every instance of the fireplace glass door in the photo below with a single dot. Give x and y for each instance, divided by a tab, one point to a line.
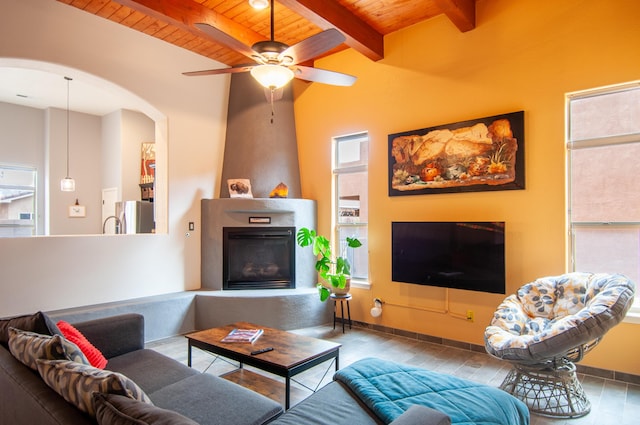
258	257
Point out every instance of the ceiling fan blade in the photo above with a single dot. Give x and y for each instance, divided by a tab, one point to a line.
226	40
314	46
219	71
323	76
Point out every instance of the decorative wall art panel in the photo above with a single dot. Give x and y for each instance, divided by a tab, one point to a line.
469	156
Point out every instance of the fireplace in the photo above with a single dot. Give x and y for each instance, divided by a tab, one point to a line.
258	257
243	213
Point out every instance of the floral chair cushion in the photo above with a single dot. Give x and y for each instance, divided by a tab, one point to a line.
549	317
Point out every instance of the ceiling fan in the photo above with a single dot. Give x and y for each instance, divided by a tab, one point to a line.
278	63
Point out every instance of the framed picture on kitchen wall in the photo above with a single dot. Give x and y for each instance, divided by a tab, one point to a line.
148	163
469	156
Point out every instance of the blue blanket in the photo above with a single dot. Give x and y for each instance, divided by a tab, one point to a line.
389	389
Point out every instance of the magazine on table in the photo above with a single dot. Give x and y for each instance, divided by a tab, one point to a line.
243	335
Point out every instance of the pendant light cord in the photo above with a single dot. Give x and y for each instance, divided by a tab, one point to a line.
68	81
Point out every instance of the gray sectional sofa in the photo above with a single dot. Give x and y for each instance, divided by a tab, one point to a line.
26	399
180	395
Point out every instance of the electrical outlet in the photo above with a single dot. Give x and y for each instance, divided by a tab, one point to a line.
470	315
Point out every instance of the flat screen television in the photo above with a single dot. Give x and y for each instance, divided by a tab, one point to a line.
460	255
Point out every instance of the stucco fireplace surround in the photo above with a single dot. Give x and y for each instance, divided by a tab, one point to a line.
260	146
218	214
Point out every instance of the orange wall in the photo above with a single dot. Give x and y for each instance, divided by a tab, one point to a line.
523	55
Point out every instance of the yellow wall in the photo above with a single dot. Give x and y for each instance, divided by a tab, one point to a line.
523	55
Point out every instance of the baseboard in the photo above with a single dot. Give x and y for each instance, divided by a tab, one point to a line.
627	378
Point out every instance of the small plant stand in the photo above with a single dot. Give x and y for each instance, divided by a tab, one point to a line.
342	298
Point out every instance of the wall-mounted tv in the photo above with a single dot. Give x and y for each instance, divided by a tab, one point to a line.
460	255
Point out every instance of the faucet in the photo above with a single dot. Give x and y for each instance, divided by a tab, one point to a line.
118	224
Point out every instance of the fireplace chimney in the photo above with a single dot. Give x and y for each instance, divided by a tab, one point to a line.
260	146
266	153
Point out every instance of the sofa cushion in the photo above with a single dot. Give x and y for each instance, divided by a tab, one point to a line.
26	399
113	409
38	323
422	415
332	404
29	346
142	367
114	335
93	354
210	400
76	382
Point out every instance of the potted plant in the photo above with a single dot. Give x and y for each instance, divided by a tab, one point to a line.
336	272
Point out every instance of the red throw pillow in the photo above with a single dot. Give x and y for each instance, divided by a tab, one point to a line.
94	355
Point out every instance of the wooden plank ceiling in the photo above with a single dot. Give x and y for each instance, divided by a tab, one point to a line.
363	22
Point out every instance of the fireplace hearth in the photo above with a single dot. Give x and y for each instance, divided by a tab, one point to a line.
258	258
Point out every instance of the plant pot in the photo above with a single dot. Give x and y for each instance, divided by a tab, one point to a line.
342	291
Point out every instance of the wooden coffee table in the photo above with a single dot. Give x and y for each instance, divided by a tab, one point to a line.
291	354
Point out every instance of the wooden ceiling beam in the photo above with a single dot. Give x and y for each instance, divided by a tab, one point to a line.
330	14
184	14
461	12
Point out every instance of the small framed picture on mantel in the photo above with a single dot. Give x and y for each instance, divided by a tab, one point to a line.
239	188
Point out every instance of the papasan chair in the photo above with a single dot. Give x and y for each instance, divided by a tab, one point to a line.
548	326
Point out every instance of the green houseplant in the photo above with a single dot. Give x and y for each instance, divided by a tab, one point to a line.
334	271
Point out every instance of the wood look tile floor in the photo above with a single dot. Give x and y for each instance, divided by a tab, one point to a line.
613	402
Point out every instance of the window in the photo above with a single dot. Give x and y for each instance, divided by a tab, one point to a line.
603	142
351	210
17	201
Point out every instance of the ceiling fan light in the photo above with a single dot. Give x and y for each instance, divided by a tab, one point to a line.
272	76
259	4
67	184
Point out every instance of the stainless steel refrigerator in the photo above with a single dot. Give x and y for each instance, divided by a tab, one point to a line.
135	216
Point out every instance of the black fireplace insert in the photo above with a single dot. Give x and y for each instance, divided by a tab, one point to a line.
258	257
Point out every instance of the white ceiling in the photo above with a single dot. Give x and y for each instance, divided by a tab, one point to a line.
37	88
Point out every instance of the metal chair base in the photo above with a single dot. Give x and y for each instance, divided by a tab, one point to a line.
554	392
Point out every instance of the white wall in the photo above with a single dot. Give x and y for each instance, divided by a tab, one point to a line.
58	272
112	151
85	132
22	136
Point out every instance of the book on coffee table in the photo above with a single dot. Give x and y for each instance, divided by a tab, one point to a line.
243	335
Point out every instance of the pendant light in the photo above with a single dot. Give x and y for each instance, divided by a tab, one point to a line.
67	184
